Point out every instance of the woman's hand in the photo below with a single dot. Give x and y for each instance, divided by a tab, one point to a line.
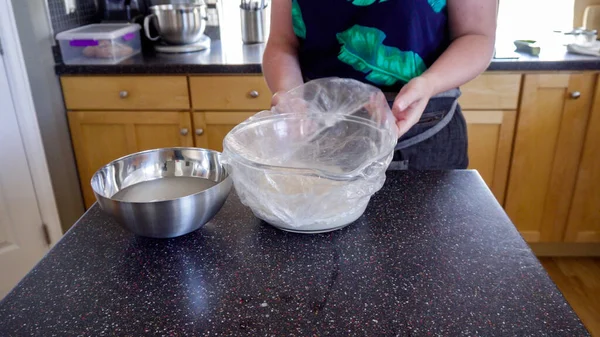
472	30
276	97
411	102
296	129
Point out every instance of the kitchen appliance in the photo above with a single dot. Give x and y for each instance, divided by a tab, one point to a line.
253	17
178	25
202	44
163	193
121	10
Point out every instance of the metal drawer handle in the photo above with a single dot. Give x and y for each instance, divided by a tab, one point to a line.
123	94
184	132
254	94
575	94
199	132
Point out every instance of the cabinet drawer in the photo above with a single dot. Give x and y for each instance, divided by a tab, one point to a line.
248	93
492	91
126	93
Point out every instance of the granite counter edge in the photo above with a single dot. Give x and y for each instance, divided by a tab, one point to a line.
157	69
256	68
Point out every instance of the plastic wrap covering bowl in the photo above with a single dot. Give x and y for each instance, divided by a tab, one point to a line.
312	163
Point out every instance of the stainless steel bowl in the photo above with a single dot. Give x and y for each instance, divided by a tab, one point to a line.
177	24
163	193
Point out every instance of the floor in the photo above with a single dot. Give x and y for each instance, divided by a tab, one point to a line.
579	280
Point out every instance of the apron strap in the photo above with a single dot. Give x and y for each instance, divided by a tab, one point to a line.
453	93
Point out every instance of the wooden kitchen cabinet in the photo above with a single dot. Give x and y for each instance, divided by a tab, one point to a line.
490	134
496	91
126	92
227	93
99	137
489	104
210	128
583	224
550	132
222	102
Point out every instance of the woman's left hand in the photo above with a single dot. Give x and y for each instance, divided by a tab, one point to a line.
411	102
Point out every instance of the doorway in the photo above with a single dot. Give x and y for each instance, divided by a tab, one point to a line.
22	238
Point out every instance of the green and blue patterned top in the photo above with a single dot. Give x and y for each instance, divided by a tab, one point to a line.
382	42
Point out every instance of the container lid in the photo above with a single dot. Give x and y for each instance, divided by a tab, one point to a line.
99	31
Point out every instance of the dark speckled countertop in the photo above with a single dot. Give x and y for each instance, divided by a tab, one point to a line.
237	58
219	59
434	254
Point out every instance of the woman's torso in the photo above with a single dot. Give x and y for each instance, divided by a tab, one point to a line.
381	42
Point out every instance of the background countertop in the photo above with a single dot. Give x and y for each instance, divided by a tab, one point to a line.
434	254
246	59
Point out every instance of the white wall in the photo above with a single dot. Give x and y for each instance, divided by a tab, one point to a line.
36	41
533	19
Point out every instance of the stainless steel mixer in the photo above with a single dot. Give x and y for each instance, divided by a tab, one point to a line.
177	24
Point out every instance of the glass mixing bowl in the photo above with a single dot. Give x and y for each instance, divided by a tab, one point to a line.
313	169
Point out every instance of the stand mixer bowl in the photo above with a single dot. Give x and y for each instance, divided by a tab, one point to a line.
177	24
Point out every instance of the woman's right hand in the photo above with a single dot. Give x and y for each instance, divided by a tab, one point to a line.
300	128
276	98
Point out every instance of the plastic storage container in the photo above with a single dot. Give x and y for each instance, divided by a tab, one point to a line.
100	43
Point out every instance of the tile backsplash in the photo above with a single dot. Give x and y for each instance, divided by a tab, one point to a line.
61	21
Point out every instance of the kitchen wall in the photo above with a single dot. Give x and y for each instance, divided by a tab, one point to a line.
533	19
36	38
580	8
61	21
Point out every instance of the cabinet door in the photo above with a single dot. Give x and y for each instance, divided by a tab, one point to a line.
490	144
549	137
101	136
584	219
210	128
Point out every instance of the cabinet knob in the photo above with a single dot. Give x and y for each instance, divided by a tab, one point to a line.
199	132
575	94
184	132
254	94
123	94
